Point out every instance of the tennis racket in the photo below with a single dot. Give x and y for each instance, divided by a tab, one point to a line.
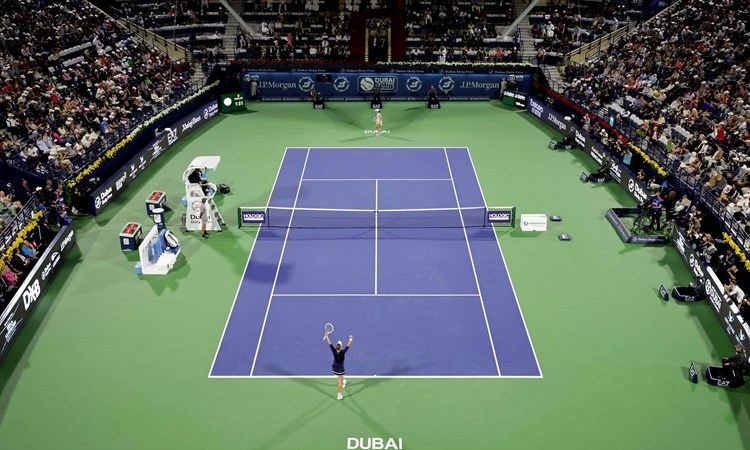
329	329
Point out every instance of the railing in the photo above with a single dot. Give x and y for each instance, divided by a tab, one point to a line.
175	51
688	184
587	51
593	48
8	235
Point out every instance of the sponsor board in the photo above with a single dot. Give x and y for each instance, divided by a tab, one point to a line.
619	171
357	85
500	217
536	107
513	98
727	312
32	290
414	84
368	84
111	188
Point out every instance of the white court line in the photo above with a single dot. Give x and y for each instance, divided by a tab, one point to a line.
372	148
507	269
302	208
365	377
376	237
471	258
376	179
247	263
376	295
278	267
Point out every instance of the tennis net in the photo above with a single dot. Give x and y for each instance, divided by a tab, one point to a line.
283	217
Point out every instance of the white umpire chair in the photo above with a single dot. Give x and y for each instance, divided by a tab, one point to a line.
194	195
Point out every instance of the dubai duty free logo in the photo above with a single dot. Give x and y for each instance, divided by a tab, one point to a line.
341	84
305	84
446	84
414	84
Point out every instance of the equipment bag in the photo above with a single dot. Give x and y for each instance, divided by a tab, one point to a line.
224	189
171	240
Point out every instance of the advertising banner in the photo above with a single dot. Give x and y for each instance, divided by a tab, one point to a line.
515	98
500	216
727	312
111	188
250	216
296	86
32	289
618	171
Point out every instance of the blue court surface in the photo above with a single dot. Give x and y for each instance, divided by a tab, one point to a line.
425	293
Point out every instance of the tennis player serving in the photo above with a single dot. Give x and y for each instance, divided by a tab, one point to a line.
338	362
378	122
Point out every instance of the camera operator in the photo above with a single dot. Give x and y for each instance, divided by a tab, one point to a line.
568	143
602	173
657	205
669	205
733	363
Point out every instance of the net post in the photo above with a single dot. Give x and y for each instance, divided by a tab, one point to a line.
513	218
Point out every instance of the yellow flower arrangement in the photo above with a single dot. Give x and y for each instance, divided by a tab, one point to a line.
659	169
737	251
20	237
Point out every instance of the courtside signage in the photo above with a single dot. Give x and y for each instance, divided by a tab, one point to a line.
251	216
296	86
618	171
500	217
32	290
111	188
728	313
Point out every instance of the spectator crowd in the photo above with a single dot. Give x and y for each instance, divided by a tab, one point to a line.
678	86
70	79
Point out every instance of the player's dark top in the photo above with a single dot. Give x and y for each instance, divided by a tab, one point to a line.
338	359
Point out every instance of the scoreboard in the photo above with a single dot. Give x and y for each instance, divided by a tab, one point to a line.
232	102
514	98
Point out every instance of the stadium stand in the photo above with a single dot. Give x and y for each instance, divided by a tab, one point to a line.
73	82
678	88
199	25
460	31
560	27
286	30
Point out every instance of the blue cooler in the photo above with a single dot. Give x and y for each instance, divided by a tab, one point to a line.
131	236
155	200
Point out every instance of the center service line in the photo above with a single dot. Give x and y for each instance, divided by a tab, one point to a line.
376	236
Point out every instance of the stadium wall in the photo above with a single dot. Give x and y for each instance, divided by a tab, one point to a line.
356	82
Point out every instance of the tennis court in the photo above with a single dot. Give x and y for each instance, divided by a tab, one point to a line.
390	245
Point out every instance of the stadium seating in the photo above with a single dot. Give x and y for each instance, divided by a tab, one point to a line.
287	30
460	31
679	90
67	97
